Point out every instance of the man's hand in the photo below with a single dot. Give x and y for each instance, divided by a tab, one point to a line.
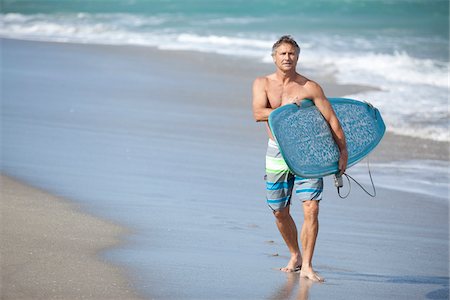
296	100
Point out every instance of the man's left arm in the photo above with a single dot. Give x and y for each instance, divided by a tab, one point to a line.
324	106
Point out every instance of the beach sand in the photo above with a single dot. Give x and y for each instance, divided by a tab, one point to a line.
51	250
164	142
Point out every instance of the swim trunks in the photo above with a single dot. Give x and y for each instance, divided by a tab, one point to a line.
281	183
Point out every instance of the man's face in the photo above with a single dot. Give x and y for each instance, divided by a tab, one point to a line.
285	57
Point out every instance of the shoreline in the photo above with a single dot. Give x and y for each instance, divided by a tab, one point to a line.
52	250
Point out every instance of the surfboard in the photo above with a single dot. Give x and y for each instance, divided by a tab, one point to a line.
305	140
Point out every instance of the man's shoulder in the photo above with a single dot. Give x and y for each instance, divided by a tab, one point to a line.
313	89
311	84
262	80
265	77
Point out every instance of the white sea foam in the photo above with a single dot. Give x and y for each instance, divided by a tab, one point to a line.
398	67
414	91
218	44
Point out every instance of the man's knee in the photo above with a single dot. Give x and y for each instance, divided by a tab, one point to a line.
281	214
311	209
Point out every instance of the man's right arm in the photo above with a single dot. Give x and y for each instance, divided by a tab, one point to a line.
261	111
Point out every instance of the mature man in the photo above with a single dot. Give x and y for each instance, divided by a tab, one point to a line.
269	92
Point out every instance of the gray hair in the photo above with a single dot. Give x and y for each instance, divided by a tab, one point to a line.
285	39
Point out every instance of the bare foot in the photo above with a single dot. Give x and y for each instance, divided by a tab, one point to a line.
294	264
311	274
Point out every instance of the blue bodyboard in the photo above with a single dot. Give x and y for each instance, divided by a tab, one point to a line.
306	142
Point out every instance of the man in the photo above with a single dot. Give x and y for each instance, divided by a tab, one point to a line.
270	92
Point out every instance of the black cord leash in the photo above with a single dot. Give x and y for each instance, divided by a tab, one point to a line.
339	184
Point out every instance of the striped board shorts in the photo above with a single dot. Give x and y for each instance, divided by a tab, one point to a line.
281	184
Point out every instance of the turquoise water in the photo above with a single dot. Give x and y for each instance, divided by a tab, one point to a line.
399	46
419	16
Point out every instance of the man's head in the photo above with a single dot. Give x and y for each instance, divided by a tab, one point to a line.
285	39
285	53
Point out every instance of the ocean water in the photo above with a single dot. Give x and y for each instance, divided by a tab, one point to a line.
399	46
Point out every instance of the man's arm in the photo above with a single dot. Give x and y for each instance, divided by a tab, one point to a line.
324	106
261	111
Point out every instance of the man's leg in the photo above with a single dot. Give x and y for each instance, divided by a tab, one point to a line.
279	183
288	230
308	237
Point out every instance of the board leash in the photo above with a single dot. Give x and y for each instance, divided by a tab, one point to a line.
338	183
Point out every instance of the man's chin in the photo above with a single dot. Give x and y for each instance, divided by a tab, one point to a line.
287	68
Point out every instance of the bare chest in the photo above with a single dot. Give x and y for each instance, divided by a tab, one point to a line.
280	95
